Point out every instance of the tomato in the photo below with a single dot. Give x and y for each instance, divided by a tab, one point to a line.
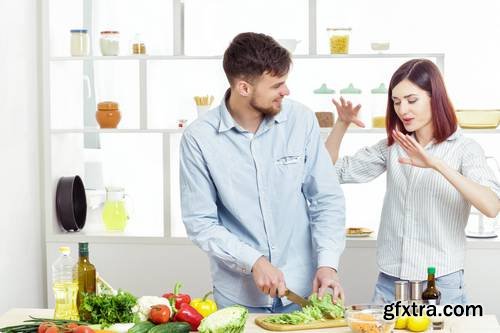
43	326
159	314
52	329
83	329
70	327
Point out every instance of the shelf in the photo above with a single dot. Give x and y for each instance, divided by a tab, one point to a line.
116	130
382	130
75	237
323	130
219	57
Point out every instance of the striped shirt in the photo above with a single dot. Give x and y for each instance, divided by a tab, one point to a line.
423	216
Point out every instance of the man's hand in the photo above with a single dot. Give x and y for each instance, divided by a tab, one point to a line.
268	278
326	277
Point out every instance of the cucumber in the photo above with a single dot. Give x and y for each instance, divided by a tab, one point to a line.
177	327
141	327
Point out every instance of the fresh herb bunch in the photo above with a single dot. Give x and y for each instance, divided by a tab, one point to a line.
108	309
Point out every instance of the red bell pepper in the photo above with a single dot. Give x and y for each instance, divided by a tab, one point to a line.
188	314
176	297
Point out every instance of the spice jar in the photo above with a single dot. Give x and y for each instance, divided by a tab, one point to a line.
108	114
79	42
379	106
339	40
110	43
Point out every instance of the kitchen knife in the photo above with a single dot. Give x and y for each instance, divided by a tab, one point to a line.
293	297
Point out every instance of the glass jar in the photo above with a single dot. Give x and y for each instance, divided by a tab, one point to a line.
79	42
339	40
110	43
379	106
138	46
323	105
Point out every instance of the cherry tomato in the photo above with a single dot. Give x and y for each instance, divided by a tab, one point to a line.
44	326
159	314
83	329
70	327
52	329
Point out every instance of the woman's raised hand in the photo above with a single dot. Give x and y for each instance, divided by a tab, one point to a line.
347	113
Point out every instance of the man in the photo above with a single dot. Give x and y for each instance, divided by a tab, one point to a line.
258	191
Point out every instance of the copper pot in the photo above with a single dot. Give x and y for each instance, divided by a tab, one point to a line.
108	114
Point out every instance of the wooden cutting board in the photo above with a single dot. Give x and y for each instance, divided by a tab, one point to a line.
327	323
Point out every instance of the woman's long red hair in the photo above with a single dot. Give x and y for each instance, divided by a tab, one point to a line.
425	74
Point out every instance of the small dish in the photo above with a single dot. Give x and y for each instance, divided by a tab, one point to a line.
368	318
358	232
289	44
380	46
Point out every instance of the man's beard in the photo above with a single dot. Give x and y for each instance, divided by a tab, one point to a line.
265	111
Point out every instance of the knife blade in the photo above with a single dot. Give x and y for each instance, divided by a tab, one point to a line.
293	297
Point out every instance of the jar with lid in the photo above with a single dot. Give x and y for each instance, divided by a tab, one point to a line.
108	114
355	96
110	43
138	46
339	40
79	42
379	106
323	105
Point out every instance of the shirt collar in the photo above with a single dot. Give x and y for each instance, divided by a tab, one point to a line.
227	122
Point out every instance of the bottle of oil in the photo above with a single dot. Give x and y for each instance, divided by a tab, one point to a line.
86	274
431	294
65	286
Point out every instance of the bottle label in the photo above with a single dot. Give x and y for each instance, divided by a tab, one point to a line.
432	301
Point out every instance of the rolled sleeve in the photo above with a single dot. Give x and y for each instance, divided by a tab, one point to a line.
199	212
365	165
326	198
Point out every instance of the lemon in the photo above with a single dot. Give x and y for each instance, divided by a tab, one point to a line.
401	323
418	324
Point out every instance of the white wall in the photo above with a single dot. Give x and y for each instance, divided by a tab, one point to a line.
22	274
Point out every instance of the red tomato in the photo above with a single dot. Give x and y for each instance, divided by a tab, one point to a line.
43	326
52	329
70	327
159	314
83	329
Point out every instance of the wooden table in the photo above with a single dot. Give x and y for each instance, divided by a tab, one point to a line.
485	324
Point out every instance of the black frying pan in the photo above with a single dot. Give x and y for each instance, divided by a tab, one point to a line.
71	203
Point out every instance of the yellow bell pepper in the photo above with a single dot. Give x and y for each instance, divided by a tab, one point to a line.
203	305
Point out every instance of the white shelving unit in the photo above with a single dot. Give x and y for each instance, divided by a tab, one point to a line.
56	162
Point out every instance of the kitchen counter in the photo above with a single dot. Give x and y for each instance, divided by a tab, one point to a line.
485	324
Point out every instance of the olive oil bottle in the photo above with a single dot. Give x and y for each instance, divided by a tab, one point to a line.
86	275
431	294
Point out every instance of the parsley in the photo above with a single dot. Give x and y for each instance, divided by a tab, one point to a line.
106	309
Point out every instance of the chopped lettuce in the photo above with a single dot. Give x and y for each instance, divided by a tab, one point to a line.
327	307
319	309
228	320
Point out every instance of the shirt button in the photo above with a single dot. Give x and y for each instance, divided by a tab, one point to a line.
273	247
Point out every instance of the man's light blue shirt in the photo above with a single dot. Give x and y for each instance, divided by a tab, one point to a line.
273	194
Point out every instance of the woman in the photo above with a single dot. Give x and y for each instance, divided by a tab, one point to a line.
434	175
